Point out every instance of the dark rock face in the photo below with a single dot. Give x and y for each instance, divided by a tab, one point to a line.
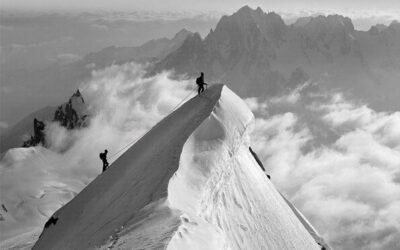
67	116
70	115
38	137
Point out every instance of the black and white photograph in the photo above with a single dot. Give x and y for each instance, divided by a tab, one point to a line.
200	125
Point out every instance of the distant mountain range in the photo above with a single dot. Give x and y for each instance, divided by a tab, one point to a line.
152	50
257	54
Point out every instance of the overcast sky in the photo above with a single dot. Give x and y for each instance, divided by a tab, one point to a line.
221	5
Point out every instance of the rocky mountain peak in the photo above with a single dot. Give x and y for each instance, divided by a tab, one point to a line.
182	34
72	114
244	11
330	22
247	21
193	41
395	26
376	29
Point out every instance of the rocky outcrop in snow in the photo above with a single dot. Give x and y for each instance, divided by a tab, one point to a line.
70	115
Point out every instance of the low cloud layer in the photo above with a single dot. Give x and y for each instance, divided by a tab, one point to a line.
349	186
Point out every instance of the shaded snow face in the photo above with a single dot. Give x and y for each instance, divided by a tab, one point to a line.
339	162
36	182
226	200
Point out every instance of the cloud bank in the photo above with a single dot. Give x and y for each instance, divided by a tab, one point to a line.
348	187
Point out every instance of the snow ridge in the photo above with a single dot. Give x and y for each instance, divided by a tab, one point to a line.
189	183
130	194
226	199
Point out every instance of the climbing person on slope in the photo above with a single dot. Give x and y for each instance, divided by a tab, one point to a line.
103	157
200	83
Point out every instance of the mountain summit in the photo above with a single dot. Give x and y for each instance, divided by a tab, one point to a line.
189	183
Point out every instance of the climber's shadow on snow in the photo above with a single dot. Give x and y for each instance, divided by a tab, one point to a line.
259	161
52	221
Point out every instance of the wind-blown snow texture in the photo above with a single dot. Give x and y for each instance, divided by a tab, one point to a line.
189	183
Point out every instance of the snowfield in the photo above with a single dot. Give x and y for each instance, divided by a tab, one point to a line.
189	183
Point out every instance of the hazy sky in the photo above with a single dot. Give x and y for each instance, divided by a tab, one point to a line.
221	5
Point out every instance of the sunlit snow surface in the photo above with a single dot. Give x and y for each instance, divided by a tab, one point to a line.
220	189
189	183
33	201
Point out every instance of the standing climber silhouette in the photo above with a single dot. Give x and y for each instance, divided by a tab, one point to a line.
200	83
103	157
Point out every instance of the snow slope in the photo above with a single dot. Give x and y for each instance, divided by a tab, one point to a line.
310	229
34	183
189	183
